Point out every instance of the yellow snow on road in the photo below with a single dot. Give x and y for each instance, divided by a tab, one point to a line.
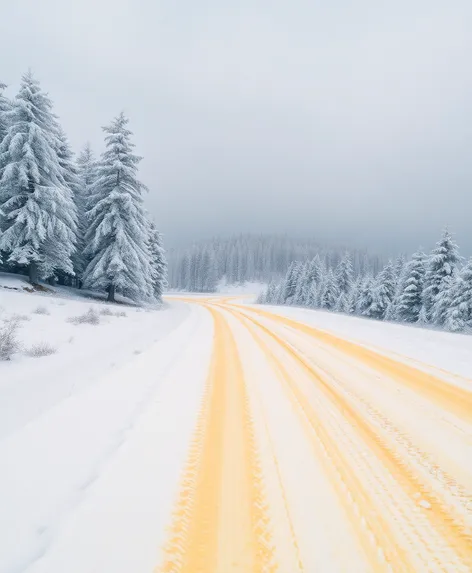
314	453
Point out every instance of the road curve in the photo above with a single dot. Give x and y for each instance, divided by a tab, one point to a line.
313	453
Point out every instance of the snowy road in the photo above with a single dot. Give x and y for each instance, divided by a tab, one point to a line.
263	444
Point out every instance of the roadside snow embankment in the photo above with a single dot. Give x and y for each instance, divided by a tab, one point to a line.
443	350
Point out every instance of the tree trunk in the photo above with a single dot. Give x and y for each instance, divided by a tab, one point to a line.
111	293
33	273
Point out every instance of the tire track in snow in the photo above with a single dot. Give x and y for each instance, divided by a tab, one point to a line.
220	521
453	398
374	534
457	536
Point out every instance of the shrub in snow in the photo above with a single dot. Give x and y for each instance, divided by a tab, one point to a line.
21	317
121	313
40	349
89	317
106	312
41	310
9	343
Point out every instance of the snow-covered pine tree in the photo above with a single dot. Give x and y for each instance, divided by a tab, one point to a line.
279	293
383	292
353	296
290	282
208	270
443	262
117	237
313	295
422	317
262	296
341	303
40	215
158	262
399	279
87	176
330	293
410	296
302	280
5	107
185	272
71	177
233	266
344	274
271	293
242	266
399	268
314	278
459	314
444	300
365	300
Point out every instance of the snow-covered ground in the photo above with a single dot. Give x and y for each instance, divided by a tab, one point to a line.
158	418
81	352
63	417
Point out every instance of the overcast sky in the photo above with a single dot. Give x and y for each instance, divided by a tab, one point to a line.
350	121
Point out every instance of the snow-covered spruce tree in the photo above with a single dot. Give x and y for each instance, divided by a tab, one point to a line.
443	262
365	300
314	278
87	176
117	237
233	266
271	293
383	292
410	296
353	296
185	272
39	212
290	282
399	268
459	314
5	107
330	292
262	296
207	270
344	274
399	279
341	303
302	280
71	177
158	262
444	300
193	271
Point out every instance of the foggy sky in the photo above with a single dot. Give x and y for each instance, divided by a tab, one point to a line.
346	121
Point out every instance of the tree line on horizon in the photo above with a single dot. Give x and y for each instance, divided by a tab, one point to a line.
251	258
428	289
76	221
